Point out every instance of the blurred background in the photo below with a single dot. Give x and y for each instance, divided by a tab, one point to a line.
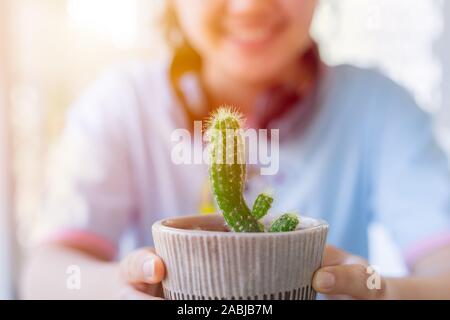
50	50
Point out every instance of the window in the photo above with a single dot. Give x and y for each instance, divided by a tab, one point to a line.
58	48
399	37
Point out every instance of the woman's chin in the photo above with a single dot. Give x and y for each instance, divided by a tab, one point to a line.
252	73
252	68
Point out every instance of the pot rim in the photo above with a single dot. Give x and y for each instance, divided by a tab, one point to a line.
159	225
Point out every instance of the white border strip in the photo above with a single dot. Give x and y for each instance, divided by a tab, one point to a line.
6	213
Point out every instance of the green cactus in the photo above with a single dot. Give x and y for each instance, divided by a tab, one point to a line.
262	205
228	173
286	222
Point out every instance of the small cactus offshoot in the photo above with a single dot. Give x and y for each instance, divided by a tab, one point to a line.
227	174
287	221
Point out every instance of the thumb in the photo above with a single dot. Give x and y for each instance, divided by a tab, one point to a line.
351	280
142	266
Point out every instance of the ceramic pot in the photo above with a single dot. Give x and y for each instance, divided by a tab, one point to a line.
205	261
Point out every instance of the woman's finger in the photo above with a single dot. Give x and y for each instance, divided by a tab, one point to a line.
333	256
142	266
350	280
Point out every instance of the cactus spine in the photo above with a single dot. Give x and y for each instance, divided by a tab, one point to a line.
228	173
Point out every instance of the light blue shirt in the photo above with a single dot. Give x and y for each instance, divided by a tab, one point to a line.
369	155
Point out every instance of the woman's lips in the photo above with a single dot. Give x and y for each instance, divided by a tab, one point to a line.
255	38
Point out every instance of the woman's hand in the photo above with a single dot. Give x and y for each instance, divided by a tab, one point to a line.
342	276
142	270
345	276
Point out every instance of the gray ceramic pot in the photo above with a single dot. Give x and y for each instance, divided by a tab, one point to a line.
217	264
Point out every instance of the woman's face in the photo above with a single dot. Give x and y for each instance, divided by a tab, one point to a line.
250	40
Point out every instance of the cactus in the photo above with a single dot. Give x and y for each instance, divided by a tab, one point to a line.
228	174
262	205
286	222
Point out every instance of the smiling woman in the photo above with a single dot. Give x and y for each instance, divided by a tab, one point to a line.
58	47
252	48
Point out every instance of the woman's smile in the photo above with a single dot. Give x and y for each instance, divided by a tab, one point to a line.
250	37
